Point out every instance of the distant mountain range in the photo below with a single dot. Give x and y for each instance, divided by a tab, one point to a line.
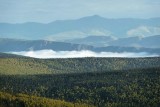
102	41
148	42
8	45
97	41
61	30
94	33
17	45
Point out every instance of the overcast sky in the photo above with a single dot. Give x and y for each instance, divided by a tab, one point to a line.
18	11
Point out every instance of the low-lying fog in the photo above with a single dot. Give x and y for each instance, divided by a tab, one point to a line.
78	54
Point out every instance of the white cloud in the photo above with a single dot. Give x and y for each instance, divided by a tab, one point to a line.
78	54
144	31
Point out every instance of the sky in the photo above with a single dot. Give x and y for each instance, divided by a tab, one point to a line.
45	11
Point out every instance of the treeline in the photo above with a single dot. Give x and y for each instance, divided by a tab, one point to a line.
29	66
130	88
23	100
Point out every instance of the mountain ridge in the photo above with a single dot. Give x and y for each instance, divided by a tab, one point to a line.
13	45
115	27
102	41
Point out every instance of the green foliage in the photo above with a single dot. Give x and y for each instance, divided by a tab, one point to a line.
14	65
23	100
102	82
137	87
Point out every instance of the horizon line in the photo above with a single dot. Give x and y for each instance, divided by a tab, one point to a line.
72	19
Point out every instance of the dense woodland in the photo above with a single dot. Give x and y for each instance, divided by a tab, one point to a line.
139	87
100	82
12	65
23	100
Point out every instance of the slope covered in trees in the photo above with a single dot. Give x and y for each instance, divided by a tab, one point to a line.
23	100
102	82
132	88
12	64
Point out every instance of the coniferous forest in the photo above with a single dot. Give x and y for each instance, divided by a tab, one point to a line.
79	82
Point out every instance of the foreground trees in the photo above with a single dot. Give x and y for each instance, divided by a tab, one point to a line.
137	87
22	100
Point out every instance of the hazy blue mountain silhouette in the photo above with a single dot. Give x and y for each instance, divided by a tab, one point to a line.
149	42
86	25
15	45
101	41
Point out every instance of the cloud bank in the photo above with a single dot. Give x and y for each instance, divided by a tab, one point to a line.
79	54
144	31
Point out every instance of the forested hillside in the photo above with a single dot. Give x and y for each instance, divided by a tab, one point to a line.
100	82
23	100
12	64
131	88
